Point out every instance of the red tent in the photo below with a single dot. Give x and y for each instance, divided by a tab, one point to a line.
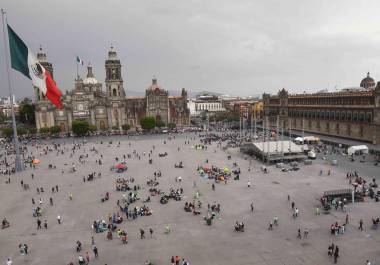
120	166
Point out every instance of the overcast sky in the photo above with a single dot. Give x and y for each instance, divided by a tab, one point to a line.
238	47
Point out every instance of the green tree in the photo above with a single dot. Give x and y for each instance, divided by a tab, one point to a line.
92	128
32	130
126	127
54	130
26	112
80	127
148	123
160	124
7	132
45	130
3	118
115	128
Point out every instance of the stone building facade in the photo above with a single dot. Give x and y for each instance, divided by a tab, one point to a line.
109	109
350	113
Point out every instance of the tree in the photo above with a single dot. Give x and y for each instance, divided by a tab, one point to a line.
80	127
126	127
115	128
160	124
92	128
148	123
171	125
45	130
54	130
26	112
7	132
32	130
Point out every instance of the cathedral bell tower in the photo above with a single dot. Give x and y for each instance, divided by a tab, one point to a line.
44	110
115	91
114	82
41	57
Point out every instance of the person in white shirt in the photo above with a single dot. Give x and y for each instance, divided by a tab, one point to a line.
9	261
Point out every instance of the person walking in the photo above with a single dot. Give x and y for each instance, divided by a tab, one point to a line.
87	257
305	233
38	224
299	236
142	232
59	219
252	207
361	224
336	254
346	219
45	224
95	250
151	232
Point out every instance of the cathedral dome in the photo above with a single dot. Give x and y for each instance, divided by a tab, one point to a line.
154	86
367	82
90	79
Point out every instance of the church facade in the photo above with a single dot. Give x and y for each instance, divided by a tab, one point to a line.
110	108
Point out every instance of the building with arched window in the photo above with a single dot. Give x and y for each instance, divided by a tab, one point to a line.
350	113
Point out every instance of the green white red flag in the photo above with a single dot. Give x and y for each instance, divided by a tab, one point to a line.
24	61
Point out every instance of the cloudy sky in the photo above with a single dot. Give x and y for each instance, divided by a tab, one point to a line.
241	47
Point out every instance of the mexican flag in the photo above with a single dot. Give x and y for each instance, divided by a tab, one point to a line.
24	61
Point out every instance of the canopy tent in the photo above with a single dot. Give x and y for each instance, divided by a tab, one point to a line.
120	166
357	149
311	139
298	140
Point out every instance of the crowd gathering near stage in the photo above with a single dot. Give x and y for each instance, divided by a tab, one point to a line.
119	198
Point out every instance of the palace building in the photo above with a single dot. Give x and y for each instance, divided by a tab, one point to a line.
350	113
109	108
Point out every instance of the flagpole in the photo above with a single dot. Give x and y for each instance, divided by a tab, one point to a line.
18	164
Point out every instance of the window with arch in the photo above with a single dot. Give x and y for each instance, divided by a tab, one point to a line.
114	92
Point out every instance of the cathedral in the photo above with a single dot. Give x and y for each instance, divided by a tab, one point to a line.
110	108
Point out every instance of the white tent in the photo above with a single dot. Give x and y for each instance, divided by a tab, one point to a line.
311	139
298	140
357	148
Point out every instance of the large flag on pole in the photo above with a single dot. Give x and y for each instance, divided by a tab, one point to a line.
24	61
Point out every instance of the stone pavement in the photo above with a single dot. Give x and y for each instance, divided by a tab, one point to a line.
190	237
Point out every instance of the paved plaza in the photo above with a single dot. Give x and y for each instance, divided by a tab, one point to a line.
190	237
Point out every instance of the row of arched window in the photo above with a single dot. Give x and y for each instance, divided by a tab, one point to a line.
331	101
359	116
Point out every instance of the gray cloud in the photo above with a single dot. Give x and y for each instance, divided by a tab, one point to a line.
238	47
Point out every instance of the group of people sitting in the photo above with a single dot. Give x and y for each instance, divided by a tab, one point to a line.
131	198
190	207
5	223
122	184
37	212
239	226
